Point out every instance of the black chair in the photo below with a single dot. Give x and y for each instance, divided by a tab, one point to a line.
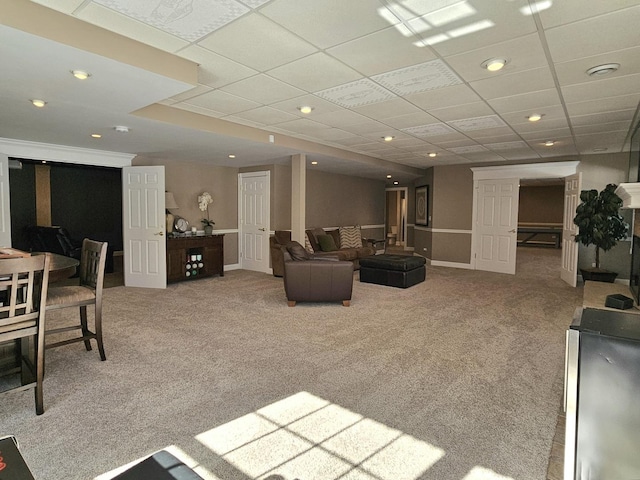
24	281
54	240
88	292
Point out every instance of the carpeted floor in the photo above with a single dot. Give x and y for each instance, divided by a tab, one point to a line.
459	377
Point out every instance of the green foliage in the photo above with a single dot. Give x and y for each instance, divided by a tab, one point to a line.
598	220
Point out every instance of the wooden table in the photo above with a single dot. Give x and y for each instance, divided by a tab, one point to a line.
60	267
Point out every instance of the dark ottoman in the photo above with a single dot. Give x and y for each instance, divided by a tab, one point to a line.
401	271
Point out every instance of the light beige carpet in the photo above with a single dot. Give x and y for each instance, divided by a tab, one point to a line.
459	377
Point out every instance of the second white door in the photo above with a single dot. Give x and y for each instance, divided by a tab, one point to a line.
497	225
254	215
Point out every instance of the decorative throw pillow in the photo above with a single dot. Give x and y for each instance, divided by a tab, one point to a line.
327	243
350	237
312	240
297	251
307	244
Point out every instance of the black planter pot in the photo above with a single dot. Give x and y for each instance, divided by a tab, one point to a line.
598	275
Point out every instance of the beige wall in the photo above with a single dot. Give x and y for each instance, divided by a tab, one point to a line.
541	204
187	180
339	200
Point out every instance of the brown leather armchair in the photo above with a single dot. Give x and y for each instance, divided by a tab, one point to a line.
308	279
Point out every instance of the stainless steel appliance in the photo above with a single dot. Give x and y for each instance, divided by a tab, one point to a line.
602	396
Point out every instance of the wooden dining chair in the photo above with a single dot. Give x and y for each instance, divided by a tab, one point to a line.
88	292
24	283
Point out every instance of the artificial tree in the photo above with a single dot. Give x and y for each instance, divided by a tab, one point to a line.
599	221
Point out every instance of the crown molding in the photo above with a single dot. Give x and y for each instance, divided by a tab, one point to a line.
64	154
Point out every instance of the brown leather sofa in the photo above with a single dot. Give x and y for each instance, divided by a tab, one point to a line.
282	237
320	279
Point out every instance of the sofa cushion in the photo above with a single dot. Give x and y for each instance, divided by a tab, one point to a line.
311	238
336	237
307	244
350	237
297	251
327	243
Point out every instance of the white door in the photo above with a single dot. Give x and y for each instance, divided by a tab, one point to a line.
569	270
143	229
497	225
253	219
5	211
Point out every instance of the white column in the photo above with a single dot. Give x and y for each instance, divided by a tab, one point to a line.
298	196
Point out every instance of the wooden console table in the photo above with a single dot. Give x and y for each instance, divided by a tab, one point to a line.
194	256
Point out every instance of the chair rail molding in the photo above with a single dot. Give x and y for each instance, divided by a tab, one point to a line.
64	154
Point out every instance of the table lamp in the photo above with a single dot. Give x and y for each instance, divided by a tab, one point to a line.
169	202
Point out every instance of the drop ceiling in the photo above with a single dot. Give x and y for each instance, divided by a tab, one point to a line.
408	69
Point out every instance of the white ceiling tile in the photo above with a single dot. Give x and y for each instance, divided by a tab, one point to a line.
198	109
194	92
515	83
544	135
66	6
410	120
318	104
254	3
257	42
604	88
477	123
127	26
532	101
446	97
605	33
607	117
356	94
569	11
482	134
262	89
220	101
418	78
339	118
354	140
216	70
367	128
461	112
380	52
551	112
303	73
243	121
488	25
467	149
542	125
303	125
522	53
430	130
498	137
187	20
500	146
610	141
266	116
601	127
327	22
611	104
575	71
334	134
389	108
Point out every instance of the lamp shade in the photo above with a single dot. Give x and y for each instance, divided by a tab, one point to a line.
169	201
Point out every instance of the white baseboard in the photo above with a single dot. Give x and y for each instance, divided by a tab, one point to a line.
232	266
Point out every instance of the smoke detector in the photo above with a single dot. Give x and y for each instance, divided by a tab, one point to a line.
121	129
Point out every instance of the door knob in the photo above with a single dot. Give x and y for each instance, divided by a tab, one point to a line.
159	233
262	229
512	231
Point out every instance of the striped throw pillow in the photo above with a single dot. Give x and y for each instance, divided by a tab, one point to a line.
350	237
307	244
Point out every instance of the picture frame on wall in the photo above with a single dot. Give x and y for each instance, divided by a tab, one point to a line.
422	205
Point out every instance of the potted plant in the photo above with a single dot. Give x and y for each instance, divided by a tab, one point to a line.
204	201
600	224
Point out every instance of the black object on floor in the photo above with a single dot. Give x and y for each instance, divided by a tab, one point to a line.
400	271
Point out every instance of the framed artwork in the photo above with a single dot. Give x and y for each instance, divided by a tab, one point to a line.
422	205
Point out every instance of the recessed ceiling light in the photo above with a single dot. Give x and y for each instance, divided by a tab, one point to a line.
38	103
534	117
231	155
603	69
549	143
494	64
121	129
80	74
388	138
96	135
306	109
396	182
388	176
314	163
432	154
